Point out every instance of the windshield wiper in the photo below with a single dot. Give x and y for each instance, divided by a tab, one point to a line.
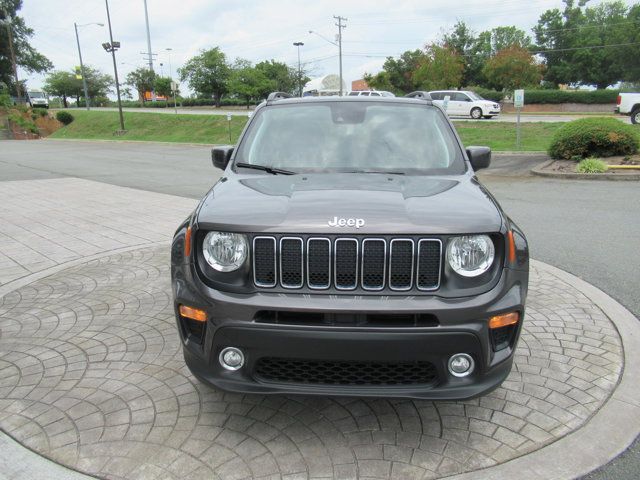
264	168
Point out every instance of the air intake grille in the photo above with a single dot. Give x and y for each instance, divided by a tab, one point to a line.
321	372
345	264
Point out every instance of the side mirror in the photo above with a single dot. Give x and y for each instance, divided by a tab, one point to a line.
480	157
220	156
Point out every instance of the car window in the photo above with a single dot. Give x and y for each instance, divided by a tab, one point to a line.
375	94
474	96
460	97
36	94
352	136
353	94
437	96
364	94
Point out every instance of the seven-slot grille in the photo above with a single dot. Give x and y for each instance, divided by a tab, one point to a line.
347	263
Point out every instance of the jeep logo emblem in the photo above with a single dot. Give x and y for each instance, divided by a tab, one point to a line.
346	222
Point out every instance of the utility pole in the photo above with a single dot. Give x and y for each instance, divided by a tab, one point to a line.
149	52
84	78
7	21
299	44
112	47
340	26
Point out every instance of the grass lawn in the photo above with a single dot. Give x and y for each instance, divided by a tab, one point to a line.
535	136
213	129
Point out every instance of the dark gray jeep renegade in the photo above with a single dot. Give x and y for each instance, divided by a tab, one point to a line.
349	249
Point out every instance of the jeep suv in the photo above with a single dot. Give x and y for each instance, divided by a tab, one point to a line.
349	249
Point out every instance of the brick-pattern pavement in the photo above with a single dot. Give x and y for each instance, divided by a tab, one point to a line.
92	376
44	223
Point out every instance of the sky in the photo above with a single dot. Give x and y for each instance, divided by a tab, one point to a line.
259	30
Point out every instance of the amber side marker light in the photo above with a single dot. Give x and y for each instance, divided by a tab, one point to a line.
193	313
187	243
504	320
512	247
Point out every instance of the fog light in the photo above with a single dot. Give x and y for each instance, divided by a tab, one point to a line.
461	365
231	358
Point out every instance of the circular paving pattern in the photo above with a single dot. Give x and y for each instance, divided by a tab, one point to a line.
92	376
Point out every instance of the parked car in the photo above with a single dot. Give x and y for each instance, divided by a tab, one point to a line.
37	99
370	93
629	104
349	249
465	104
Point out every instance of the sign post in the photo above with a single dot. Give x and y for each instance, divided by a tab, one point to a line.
174	90
229	125
518	103
445	103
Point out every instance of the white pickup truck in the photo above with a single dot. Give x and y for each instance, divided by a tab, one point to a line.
629	104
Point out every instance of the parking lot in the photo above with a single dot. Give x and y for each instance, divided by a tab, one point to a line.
93	377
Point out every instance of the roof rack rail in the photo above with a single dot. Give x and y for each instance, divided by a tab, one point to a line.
274	96
419	94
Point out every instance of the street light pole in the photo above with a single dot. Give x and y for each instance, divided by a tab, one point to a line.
112	48
175	90
299	44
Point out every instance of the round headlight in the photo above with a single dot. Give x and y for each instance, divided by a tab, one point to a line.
225	252
470	255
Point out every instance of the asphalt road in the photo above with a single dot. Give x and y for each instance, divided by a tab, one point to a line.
589	228
505	117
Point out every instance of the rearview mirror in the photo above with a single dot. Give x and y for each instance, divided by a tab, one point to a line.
480	157
220	156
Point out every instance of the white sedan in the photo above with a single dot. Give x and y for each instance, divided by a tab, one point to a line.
464	103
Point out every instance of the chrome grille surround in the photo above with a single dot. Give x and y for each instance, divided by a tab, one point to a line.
349	263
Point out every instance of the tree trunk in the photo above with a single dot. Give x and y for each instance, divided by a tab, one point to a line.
217	100
64	101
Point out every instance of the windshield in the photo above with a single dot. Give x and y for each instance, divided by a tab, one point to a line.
474	96
36	94
352	137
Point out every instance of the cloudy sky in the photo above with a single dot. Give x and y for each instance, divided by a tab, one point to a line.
259	30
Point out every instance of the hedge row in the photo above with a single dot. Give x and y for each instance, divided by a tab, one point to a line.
568	96
201	102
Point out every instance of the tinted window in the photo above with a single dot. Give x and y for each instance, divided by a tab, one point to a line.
353	94
375	94
352	136
437	96
364	94
460	97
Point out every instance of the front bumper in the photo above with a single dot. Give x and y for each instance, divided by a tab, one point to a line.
462	328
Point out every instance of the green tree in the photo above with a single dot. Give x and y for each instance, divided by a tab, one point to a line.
397	74
511	68
62	84
98	84
442	67
249	82
143	80
163	86
284	78
207	73
27	57
586	45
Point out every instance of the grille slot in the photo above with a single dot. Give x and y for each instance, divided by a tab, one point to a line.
429	255
374	259
401	264
264	261
323	372
291	262
319	263
346	264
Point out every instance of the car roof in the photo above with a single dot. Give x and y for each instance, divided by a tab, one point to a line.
360	99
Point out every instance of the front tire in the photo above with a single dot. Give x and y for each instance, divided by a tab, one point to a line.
635	116
476	113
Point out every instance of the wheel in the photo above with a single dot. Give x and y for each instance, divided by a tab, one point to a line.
635	116
476	113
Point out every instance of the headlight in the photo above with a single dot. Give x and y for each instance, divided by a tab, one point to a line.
225	252
470	255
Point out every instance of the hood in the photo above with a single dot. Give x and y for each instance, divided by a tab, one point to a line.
376	204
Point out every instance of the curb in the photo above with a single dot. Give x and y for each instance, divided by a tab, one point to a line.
612	177
610	430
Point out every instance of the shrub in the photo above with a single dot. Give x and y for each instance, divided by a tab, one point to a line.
5	100
599	137
592	165
571	96
64	117
39	112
